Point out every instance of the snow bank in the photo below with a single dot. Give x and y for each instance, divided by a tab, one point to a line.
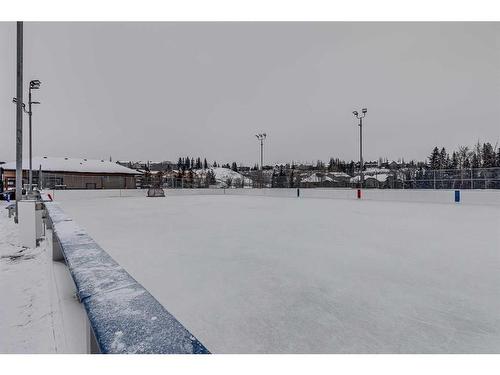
38	311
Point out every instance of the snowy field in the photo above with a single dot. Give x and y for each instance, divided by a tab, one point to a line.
250	274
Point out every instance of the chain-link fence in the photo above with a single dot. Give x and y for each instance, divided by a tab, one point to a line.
375	178
408	178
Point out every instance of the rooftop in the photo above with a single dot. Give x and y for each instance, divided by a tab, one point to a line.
57	164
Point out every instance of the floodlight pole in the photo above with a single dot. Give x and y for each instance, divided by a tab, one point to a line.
261	138
261	154
360	118
362	179
19	119
35	84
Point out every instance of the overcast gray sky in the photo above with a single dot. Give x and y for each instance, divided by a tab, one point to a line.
157	91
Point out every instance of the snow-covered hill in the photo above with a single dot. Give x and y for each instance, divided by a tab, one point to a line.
224	175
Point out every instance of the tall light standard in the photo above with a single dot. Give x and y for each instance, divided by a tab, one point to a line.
34	85
261	138
360	118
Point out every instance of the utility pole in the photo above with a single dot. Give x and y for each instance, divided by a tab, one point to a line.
19	119
360	118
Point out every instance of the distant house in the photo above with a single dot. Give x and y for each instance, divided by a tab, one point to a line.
370	164
393	165
71	173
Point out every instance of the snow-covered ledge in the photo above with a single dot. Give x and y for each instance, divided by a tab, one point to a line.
123	317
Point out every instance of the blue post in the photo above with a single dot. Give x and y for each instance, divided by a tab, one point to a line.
457	196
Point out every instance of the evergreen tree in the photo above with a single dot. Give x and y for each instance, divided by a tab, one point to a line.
210	176
234	167
488	155
180	163
205	164
454	160
291	178
443	159
478	150
187	163
475	162
463	156
466	163
434	159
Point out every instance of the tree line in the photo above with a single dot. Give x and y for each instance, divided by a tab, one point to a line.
480	156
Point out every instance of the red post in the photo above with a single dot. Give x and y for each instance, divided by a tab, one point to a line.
359	193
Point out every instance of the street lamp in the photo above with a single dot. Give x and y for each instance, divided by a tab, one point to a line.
360	118
34	85
261	138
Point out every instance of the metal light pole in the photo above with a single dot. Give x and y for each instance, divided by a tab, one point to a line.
261	138
19	119
34	85
360	118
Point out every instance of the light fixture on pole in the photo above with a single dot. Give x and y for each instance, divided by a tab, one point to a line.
34	85
360	118
261	137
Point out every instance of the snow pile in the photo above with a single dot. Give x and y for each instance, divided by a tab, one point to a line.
53	164
26	324
39	313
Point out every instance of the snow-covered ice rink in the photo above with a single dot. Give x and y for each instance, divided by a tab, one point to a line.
250	274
